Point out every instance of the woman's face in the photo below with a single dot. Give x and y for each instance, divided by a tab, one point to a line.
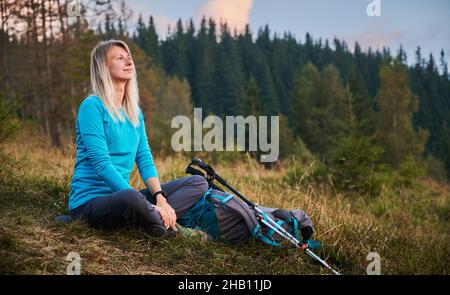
120	63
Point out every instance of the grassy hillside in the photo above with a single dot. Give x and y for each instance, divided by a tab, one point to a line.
409	227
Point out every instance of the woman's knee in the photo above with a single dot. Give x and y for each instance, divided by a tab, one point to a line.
131	199
136	209
199	181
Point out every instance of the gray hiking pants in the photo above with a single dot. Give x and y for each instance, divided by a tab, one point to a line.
133	208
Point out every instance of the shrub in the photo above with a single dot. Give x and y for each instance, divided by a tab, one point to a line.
354	166
408	172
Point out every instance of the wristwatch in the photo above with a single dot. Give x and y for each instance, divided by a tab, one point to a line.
161	192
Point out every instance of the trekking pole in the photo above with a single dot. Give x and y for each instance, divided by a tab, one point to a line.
260	214
316	257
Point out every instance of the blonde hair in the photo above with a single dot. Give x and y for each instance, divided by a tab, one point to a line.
103	85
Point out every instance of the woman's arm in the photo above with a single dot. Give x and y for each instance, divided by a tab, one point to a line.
90	125
153	185
147	169
144	159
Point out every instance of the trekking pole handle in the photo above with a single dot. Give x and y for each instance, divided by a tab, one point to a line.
208	169
210	172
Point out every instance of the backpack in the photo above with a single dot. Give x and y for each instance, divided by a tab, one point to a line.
225	217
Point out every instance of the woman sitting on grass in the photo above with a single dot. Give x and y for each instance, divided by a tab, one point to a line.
111	136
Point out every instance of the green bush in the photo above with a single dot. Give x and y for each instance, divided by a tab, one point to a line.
408	172
354	166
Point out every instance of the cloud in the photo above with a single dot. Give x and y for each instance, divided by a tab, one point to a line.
380	39
235	12
162	24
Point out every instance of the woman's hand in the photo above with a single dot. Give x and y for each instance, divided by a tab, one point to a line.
166	211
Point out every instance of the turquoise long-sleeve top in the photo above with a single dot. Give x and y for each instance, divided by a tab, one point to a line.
106	153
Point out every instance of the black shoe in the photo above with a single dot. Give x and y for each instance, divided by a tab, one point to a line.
171	232
159	231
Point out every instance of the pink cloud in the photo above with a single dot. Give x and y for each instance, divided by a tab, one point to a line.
235	12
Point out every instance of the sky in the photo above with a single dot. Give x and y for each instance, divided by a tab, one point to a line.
409	23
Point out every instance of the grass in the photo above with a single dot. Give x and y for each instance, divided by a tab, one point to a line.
409	228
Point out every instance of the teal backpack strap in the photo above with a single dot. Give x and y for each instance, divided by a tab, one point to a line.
227	199
207	192
203	205
191	218
266	238
271	231
222	199
258	235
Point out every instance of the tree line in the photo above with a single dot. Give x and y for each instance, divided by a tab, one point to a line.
348	108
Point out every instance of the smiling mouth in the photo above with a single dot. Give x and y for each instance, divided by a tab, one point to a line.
128	70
